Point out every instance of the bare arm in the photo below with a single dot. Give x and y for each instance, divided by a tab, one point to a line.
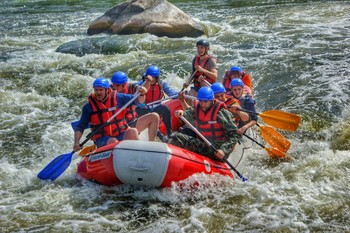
183	101
77	137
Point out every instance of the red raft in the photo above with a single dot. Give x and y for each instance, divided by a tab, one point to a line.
146	163
155	164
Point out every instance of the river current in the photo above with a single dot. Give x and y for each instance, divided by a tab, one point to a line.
298	53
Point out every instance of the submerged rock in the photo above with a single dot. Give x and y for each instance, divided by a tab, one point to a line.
157	17
101	45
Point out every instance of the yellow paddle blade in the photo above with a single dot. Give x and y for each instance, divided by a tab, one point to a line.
281	120
87	150
277	154
274	138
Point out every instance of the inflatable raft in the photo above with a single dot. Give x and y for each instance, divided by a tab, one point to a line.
154	164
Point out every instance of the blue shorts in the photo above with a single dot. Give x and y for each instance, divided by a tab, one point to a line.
102	141
195	88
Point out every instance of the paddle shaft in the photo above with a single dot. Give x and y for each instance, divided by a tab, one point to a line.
161	100
212	146
189	80
254	140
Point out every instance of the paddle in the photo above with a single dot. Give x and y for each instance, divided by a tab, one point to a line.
274	138
273	152
212	146
87	150
189	81
207	83
161	100
57	166
278	119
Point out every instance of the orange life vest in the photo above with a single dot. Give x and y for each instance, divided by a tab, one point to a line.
154	93
207	123
204	64
102	112
246	78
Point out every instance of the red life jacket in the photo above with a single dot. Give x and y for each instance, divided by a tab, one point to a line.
203	64
155	92
130	112
207	123
246	79
102	112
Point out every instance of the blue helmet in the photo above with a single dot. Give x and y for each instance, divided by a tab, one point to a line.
205	93
119	78
236	68
218	88
203	43
153	71
236	82
101	82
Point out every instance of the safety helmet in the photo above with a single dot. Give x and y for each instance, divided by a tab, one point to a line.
153	71
203	43
236	68
101	82
205	93
236	82
218	88
119	78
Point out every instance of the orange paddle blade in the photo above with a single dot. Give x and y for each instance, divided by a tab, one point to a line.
87	150
277	154
274	138
281	120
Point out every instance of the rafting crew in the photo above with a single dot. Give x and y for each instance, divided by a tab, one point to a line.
102	104
213	120
157	88
148	121
204	67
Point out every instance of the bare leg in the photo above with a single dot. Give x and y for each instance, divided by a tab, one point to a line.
131	134
111	140
150	121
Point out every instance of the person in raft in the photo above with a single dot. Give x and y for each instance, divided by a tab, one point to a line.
246	101
157	88
204	67
237	72
104	103
231	103
150	120
214	121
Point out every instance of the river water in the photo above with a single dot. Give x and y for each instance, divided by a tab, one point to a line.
298	53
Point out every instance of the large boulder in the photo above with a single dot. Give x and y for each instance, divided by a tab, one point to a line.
157	17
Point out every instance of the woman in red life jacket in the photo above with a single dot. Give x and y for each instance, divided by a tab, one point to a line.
237	72
150	120
214	121
231	103
203	67
103	104
156	90
246	101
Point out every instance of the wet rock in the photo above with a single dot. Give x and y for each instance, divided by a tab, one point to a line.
157	17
